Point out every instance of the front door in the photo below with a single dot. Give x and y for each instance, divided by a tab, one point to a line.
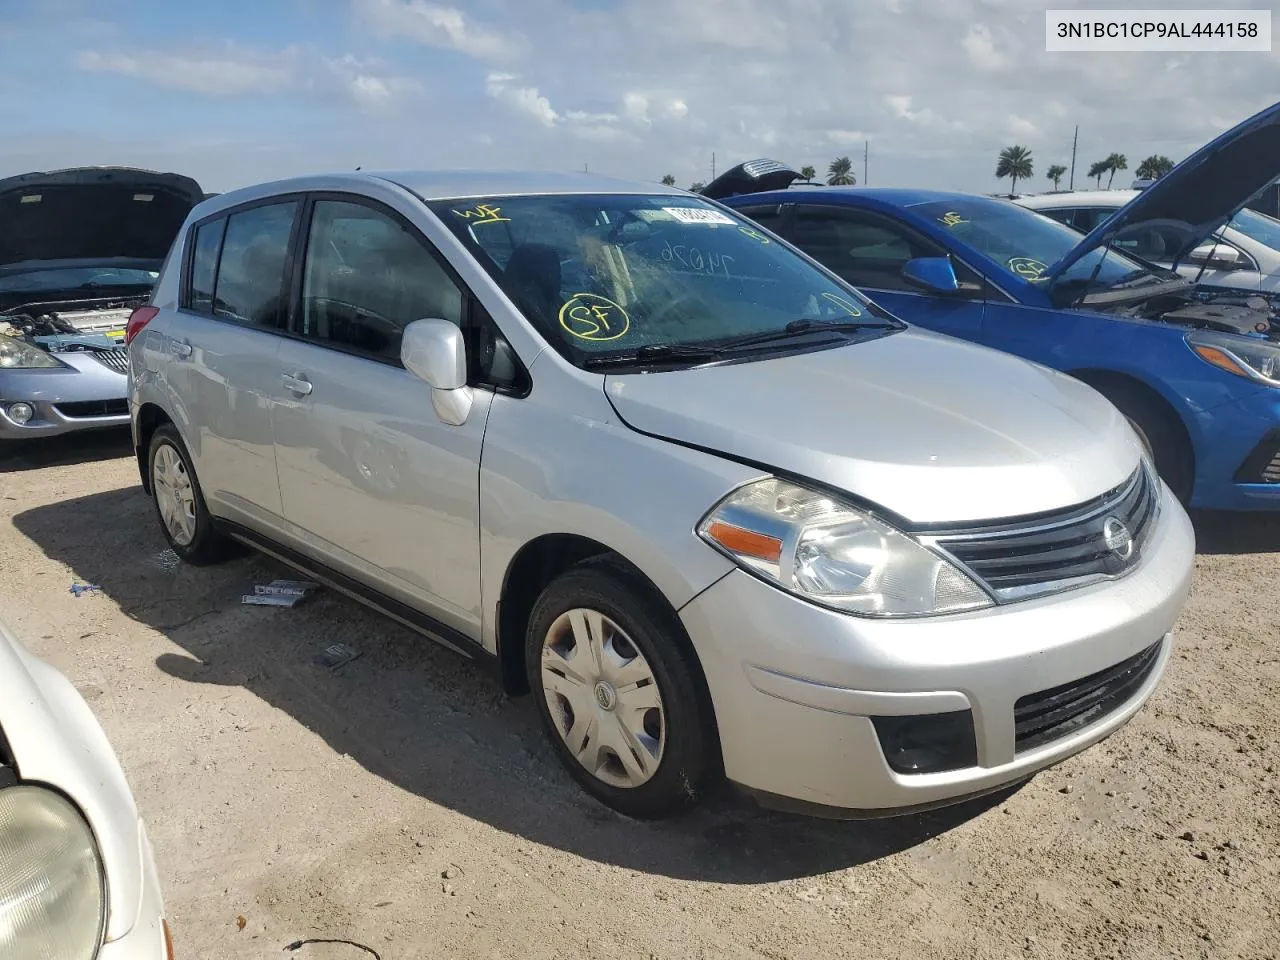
372	482
869	251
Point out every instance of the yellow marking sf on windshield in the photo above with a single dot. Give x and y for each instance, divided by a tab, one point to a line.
589	316
1027	268
753	234
843	304
482	213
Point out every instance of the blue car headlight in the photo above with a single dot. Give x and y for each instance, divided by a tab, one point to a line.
1249	357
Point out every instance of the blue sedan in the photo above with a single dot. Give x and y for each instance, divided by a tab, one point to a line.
1197	376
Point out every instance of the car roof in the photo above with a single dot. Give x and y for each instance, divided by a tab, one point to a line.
456	184
889	196
1073	198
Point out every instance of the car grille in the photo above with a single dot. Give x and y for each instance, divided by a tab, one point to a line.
117	359
81	409
1041	718
1096	540
1263	463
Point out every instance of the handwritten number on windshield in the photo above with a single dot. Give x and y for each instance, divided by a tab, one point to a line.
699	261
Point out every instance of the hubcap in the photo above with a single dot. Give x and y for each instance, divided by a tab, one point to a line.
175	496
603	698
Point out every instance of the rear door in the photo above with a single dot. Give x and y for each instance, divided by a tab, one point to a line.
869	250
225	337
372	482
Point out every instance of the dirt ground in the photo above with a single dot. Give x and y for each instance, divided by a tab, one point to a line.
402	802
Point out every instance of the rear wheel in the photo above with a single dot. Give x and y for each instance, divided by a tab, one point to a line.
180	505
619	693
1161	435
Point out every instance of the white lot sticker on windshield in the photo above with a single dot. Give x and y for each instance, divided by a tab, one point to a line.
697	215
1027	268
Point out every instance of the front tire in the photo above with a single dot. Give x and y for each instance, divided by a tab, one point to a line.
1161	435
180	505
619	691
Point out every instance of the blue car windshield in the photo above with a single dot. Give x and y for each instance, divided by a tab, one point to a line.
609	274
65	279
1028	244
1259	227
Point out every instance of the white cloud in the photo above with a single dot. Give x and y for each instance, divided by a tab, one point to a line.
980	45
845	138
228	72
503	86
369	83
437	26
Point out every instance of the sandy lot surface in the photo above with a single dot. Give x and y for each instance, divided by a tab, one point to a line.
404	803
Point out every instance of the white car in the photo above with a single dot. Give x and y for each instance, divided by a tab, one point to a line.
77	877
1243	256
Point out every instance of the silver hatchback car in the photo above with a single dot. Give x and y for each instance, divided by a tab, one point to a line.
719	513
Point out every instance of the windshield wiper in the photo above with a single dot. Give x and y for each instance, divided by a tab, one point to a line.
653	353
801	327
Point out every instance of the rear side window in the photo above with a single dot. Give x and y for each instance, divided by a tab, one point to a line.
367	277
249	287
204	265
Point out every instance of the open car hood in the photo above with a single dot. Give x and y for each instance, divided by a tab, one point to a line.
754	176
1197	196
93	213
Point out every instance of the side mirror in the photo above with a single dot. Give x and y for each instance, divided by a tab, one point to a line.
435	352
1220	256
934	274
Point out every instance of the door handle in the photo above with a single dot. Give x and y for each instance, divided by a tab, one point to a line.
181	349
296	384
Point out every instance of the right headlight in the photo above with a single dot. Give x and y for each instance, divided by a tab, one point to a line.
826	551
52	890
17	354
1249	357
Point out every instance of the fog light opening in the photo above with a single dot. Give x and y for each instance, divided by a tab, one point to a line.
928	743
21	413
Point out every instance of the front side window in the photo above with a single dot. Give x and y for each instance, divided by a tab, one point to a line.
367	277
250	283
1028	244
602	274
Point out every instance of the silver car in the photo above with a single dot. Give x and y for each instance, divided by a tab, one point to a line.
79	249
719	513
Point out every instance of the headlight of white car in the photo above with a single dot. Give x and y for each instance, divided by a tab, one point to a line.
831	553
52	890
17	354
1256	359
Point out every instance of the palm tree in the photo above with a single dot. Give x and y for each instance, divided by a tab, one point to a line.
1154	167
1015	163
668	180
1115	163
696	186
1096	172
1055	175
840	173
807	173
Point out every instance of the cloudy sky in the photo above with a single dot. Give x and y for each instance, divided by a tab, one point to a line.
246	90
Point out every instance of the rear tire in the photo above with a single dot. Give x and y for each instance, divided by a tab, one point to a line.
175	491
1161	434
619	691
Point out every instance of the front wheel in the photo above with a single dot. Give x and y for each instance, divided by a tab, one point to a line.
619	692
1162	437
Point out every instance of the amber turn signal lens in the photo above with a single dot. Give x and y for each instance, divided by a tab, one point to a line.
1219	359
745	542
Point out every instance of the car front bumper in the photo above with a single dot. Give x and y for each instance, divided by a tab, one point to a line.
1230	437
85	394
794	686
147	939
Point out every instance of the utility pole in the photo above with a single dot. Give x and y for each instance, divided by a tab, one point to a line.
1071	185
866	152
713	164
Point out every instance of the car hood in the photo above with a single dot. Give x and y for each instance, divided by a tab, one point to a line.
932	429
93	213
54	739
1198	195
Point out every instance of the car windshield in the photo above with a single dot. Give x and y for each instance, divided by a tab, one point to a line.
1259	227
1029	244
613	274
60	279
